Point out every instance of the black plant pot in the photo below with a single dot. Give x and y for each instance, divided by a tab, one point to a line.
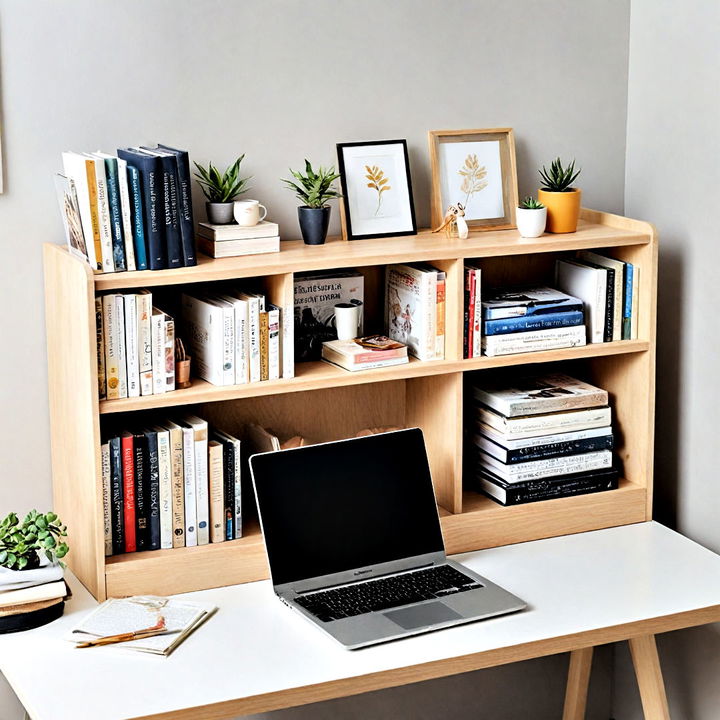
314	224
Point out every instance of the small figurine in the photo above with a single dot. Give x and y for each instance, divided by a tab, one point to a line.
455	215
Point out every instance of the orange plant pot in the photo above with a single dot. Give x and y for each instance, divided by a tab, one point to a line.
563	210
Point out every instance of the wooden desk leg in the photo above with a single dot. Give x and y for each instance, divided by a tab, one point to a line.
649	677
577	684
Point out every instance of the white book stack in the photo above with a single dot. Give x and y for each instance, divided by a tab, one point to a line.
222	241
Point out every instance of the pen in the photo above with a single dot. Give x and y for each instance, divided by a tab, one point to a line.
157	629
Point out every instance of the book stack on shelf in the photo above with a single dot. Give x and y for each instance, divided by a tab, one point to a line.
415	308
221	241
135	209
472	330
366	353
541	437
169	485
609	289
135	346
530	319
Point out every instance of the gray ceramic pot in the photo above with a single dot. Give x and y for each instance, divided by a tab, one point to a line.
219	213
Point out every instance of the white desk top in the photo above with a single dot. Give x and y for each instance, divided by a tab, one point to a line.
581	590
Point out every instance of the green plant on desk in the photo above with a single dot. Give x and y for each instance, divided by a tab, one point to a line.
22	543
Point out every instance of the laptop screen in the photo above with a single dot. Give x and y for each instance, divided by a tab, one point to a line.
346	505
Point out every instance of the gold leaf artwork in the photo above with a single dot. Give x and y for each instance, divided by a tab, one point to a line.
473	177
378	182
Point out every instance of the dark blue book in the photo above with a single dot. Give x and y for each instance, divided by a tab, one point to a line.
533	322
142	492
187	226
152	203
629	271
118	241
117	509
136	214
153	486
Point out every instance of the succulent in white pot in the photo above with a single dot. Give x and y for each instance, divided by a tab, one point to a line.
531	217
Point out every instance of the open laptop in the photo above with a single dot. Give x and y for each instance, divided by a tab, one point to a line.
354	542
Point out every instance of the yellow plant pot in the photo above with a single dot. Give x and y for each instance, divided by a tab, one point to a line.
563	210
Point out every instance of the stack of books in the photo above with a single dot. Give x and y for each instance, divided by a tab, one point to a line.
221	241
540	438
135	208
368	353
34	602
415	309
135	346
530	319
609	289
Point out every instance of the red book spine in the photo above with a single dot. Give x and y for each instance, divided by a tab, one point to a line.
129	491
471	314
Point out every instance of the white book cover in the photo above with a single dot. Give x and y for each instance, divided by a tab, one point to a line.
169	347
75	168
263	229
112	357
273	342
534	341
635	303
242	364
119	330
537	394
202	498
157	338
103	209
143	304
547	468
590	285
191	538
253	333
237	248
177	477
131	346
619	281
165	480
228	335
204	329
536	425
533	442
237	480
107	524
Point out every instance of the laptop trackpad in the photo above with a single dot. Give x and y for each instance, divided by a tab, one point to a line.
422	615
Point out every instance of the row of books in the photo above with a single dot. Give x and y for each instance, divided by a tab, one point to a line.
135	346
237	337
135	207
233	240
541	437
170	485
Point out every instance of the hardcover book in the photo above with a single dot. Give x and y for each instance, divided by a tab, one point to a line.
185	210
233	231
232	483
128	466
534	341
216	491
117	509
536	425
546	468
136	212
618	286
236	248
533	322
520	301
178	484
590	285
142	491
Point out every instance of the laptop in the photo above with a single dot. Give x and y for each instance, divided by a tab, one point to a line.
354	543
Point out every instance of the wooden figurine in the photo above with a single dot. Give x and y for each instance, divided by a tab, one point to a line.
455	215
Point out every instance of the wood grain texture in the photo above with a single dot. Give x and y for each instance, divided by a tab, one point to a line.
649	677
577	684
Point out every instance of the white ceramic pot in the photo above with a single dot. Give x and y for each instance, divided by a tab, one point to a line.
531	223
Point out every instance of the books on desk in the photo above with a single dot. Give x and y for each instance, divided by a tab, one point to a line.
233	240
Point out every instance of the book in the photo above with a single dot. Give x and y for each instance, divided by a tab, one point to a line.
33	594
520	301
439	308
538	394
216	491
242	339
590	285
165	486
544	446
119	329
618	286
609	296
142	491
108	203
157	345
189	483
200	439
132	359
143	308
534	341
545	468
178	484
535	425
136	212
70	215
106	495
100	343
111	347
152	470
351	356
264	345
287	341
254	302
126	212
117	510
169	352
626	333
476	344
185	209
635	303
233	231
236	248
273	313
204	329
128	467
232	483
229	350
533	322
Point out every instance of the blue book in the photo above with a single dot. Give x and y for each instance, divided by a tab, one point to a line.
187	226
118	242
117	505
153	486
627	301
533	322
152	203
136	213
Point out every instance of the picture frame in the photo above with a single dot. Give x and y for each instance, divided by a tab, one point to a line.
465	164
377	190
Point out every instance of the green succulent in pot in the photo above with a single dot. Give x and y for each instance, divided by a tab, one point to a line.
22	543
220	189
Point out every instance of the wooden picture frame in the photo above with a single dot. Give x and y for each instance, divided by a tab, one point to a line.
461	174
369	170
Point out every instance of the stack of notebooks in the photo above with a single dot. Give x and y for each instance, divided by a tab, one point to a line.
35	602
368	353
530	319
221	241
540	438
609	289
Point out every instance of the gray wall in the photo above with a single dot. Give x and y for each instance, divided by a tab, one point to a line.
672	175
282	81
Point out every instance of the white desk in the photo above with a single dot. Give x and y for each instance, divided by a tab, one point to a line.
256	655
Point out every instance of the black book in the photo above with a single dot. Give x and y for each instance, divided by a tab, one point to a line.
153	486
229	461
117	510
142	505
506	493
187	226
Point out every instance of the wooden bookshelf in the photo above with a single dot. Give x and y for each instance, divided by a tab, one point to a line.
323	402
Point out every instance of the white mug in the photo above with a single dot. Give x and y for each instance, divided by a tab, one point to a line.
347	319
247	212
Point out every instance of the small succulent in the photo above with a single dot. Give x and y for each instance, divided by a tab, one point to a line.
559	178
530	203
223	188
21	543
314	188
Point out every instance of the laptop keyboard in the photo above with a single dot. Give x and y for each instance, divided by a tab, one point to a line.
385	593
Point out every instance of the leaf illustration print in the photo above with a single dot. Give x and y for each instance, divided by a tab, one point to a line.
473	177
378	182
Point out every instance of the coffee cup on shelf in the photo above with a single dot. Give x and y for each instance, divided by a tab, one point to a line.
247	212
347	320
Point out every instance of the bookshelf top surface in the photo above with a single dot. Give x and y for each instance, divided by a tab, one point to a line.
295	256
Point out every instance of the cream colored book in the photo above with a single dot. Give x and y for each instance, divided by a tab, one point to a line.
178	484
215	481
36	593
112	354
165	486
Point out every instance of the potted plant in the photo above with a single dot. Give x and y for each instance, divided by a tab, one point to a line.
561	200
314	190
531	217
22	544
221	190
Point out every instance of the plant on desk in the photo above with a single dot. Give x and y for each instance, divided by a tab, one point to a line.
221	190
23	543
559	197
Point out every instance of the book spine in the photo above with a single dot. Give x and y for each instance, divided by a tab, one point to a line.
190	492
142	493
466	314
264	346
143	306
100	341
125	213
514	406
201	485
165	489
116	489
107	495
119	330
128	491
169	208
228	345
609	305
100	260
635	304
600	329
535	341
115	214
339	361
627	301
157	331
131	346
440	316
242	345
549	450
215	479
99	196
229	489
429	303
112	361
136	213
548	468
273	316
153	486
169	352
546	424
178	487
477	314
533	322
237	520
203	324
254	308
187	226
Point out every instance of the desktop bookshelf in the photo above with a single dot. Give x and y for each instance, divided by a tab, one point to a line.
323	402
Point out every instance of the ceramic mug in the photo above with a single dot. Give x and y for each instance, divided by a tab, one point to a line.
347	320
247	212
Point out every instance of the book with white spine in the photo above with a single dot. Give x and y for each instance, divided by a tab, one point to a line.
157	336
200	435
75	168
228	337
103	210
590	285
121	349
254	308
547	468
143	304
287	341
131	346
534	341
273	342
165	482
188	434
203	322
619	267
242	364
169	347
107	523
178	484
536	425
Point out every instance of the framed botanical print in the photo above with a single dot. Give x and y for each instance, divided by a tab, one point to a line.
475	168
377	191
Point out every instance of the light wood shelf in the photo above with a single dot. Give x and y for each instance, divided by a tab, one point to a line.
324	402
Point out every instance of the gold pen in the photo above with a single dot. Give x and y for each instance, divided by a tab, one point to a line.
157	629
